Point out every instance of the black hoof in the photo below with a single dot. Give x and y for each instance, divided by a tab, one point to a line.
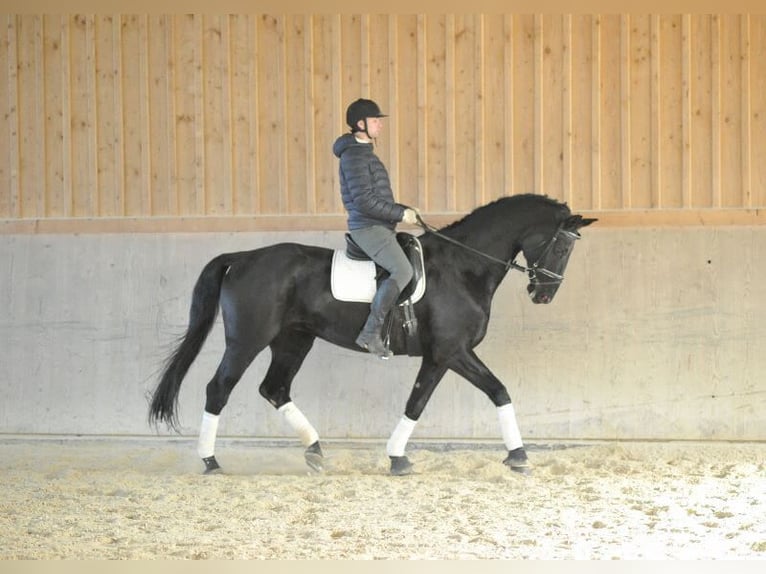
212	466
517	461
400	466
314	457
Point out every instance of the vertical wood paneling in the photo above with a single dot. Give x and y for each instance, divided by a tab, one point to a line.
109	136
243	142
670	109
731	112
566	111
745	121
364	63
523	104
349	35
493	170
552	101
135	116
657	120
610	111
626	126
193	115
377	38
189	152
640	70
715	72
7	111
596	90
300	144
508	103
31	116
83	116
582	194
392	74
56	190
435	135
478	197
217	106
450	119
758	110
271	106
686	176
67	200
701	112
406	115
161	114
326	86
350	54
539	91
422	103
467	79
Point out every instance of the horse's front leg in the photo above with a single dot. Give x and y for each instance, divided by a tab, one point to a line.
428	378
470	367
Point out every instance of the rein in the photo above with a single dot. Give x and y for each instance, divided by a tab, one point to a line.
510	264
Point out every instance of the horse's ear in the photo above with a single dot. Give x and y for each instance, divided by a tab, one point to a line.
575	222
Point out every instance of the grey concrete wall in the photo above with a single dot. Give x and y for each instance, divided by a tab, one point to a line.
655	334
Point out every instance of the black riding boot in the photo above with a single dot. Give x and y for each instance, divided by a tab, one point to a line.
370	336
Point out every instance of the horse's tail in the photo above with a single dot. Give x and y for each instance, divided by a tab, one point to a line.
202	315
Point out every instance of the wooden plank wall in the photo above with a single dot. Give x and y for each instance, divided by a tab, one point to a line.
227	121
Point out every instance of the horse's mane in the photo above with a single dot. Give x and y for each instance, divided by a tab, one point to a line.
510	203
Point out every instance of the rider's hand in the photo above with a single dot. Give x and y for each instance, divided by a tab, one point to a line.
410	216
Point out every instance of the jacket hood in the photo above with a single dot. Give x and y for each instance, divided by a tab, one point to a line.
343	143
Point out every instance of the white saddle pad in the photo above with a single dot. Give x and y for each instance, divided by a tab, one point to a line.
354	281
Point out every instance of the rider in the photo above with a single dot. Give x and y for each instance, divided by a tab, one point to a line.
372	214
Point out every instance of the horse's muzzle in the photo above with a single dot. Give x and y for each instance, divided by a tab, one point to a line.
539	295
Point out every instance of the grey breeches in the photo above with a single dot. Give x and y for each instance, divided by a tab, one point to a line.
380	244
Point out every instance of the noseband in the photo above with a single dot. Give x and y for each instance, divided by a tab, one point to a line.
554	278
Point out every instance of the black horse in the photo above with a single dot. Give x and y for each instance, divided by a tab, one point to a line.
279	297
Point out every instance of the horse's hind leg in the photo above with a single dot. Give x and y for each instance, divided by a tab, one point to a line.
233	365
288	351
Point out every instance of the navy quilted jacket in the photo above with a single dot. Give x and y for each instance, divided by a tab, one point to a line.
364	186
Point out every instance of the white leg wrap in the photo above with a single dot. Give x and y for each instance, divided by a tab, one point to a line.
398	441
207	432
508	426
299	423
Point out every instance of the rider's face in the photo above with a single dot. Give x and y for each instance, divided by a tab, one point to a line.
374	126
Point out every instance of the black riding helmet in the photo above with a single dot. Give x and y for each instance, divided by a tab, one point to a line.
362	109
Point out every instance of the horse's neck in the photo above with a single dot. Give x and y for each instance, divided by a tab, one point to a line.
499	247
499	239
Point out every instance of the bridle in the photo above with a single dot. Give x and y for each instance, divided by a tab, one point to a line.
553	278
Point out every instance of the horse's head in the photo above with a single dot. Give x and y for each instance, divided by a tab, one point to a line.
547	254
